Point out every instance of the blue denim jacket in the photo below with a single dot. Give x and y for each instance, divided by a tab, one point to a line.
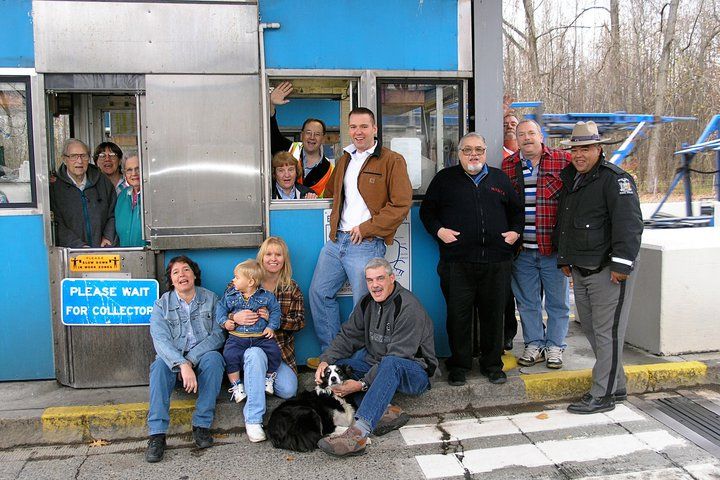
166	328
233	301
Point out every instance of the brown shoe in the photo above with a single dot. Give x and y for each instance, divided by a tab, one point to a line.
351	442
392	419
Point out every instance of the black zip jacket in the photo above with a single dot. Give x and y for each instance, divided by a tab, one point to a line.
480	213
599	223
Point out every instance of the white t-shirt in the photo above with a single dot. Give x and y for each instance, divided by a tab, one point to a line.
355	210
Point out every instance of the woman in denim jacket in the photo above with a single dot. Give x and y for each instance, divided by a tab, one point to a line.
186	341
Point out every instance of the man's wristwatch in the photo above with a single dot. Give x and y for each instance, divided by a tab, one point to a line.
364	386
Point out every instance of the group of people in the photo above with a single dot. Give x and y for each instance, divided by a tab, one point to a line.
546	215
96	204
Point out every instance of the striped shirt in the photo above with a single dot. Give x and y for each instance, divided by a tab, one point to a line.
530	177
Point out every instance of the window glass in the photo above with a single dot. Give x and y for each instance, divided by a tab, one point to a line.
419	120
16	161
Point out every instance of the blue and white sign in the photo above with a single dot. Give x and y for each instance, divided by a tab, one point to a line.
90	301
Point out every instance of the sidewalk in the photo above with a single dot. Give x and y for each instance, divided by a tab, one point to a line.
43	412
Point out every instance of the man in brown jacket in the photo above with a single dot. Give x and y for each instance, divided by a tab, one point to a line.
372	196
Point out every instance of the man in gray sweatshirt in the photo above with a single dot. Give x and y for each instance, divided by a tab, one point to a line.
388	341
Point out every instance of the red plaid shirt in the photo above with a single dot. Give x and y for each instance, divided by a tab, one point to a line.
548	190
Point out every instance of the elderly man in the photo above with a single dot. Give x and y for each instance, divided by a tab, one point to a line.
315	167
598	236
476	217
82	200
395	336
535	173
372	196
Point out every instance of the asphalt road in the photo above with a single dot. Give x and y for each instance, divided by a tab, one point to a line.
526	442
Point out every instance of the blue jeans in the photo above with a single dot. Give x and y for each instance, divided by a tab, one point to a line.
393	374
530	272
339	261
255	370
209	371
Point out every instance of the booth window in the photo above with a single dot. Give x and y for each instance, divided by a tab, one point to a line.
17	167
420	118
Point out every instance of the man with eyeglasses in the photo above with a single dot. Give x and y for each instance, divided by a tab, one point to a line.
598	233
82	200
535	173
476	216
316	168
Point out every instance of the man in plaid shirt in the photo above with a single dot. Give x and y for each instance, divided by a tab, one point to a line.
535	173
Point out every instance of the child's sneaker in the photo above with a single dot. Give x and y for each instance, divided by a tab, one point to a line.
237	393
270	384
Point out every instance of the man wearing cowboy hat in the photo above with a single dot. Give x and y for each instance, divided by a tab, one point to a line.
598	235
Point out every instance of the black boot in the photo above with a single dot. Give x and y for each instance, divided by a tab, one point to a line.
156	448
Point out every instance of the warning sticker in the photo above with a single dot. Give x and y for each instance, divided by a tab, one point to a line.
95	263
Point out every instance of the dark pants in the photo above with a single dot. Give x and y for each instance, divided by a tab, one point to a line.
235	347
465	286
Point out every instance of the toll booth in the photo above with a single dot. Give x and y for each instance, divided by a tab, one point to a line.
184	86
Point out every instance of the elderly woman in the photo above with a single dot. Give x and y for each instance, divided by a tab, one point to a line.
128	223
285	171
107	157
275	260
186	341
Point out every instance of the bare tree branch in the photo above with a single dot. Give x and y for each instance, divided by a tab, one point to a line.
571	24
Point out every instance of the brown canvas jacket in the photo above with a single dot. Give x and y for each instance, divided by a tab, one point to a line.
385	186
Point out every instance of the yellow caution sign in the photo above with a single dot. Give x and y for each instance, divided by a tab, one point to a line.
95	263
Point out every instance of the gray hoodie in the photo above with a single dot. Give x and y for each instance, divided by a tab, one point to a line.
399	326
76	211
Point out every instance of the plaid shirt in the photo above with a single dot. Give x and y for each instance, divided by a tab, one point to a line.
292	319
549	186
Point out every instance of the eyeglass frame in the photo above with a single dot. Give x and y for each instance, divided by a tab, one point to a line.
77	156
473	151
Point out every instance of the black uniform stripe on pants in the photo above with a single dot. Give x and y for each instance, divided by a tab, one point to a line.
616	347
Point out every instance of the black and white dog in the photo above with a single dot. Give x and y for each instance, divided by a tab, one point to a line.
298	423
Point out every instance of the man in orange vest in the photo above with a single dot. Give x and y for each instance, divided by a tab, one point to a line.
315	166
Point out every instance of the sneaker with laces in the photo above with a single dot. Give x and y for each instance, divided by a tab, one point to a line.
393	418
255	432
553	356
533	354
155	449
351	442
237	393
202	437
270	384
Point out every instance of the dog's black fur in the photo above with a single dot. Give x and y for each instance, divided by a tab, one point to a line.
298	423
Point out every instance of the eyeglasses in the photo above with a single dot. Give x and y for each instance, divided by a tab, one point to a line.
111	155
78	156
470	150
308	133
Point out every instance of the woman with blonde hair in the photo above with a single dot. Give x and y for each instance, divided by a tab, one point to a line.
274	257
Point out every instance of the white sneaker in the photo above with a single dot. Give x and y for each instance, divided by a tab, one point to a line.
270	384
533	354
554	357
237	393
255	432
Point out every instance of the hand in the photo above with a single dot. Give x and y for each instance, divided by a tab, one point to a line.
320	371
279	94
229	325
510	237
348	387
105	242
618	277
245	317
188	378
566	270
263	312
447	235
311	195
355	235
268	332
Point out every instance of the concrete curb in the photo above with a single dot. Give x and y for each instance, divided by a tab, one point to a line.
87	423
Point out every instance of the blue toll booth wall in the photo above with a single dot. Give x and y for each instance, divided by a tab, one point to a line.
26	349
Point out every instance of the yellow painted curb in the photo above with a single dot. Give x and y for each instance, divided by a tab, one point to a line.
509	362
640	378
83	420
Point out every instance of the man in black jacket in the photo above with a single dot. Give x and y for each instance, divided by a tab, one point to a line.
598	233
476	216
